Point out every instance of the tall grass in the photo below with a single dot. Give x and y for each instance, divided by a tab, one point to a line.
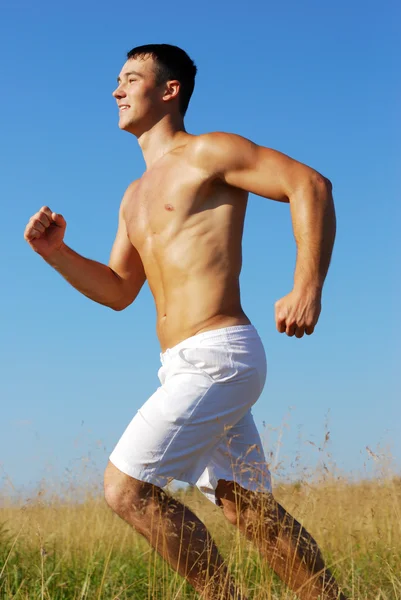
56	548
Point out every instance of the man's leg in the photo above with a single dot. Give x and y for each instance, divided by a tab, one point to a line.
289	549
173	530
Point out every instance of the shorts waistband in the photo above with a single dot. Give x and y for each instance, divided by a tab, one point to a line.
223	334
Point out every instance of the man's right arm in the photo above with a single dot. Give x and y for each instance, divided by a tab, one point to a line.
115	285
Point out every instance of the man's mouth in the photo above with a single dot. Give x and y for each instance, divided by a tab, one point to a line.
123	107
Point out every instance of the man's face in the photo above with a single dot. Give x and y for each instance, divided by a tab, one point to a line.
138	98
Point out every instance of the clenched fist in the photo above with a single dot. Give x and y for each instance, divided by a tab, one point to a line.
298	312
45	232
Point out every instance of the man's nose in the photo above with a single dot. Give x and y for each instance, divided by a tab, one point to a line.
119	92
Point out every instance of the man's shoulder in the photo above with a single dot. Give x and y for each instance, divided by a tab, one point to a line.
129	192
207	150
131	188
204	142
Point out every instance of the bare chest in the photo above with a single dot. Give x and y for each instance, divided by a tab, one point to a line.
162	201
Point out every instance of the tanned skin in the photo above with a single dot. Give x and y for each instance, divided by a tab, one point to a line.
180	228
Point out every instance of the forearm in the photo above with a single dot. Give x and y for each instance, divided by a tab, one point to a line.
314	224
93	279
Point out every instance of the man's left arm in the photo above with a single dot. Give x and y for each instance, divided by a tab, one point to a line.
272	174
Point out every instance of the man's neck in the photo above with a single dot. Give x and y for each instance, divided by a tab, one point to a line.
162	138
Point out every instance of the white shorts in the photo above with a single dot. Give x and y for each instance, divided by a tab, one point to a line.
198	426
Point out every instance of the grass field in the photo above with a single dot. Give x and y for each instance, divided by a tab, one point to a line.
60	549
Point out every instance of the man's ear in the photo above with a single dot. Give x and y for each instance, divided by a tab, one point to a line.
171	90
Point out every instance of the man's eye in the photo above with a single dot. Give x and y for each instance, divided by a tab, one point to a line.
131	80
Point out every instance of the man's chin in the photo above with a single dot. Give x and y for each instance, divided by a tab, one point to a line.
124	126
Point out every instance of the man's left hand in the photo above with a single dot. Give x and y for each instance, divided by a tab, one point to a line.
298	312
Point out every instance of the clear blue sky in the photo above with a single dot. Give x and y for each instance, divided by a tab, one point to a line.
319	81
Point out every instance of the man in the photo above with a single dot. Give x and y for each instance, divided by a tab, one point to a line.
180	227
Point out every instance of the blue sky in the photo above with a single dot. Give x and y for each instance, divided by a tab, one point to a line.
315	80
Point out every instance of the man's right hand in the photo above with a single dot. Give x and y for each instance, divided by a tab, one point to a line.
45	232
115	285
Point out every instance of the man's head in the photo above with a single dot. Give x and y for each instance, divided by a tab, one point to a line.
156	80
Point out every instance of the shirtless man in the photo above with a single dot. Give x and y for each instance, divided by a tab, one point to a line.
180	228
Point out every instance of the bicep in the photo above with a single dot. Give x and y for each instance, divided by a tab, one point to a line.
126	262
257	169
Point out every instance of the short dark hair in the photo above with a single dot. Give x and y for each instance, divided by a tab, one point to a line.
171	62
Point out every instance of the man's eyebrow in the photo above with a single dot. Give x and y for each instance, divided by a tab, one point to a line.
129	73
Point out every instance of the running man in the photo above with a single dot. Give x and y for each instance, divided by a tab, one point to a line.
180	228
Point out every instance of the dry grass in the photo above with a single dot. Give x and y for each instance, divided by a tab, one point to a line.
56	548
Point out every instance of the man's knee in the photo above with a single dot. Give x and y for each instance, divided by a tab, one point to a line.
250	511
232	500
126	495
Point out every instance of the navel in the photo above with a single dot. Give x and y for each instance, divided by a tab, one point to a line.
169	207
